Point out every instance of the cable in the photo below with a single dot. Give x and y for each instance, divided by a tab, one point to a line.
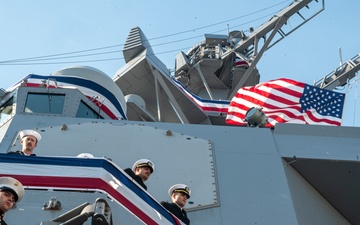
40	57
200	28
69	55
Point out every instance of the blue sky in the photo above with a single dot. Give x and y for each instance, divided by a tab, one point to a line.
44	28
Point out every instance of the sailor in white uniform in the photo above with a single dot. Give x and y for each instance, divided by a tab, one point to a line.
29	140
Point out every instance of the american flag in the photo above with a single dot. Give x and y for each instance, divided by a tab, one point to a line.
287	101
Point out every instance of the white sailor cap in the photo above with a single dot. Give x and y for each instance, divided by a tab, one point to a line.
180	188
24	133
13	185
85	155
144	163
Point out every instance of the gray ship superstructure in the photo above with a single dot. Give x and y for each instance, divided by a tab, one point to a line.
93	127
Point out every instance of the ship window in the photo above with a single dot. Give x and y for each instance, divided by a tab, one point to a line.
45	103
6	110
84	111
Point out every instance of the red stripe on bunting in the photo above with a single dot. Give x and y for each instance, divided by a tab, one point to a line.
83	183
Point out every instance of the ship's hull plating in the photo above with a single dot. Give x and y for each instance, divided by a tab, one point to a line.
292	174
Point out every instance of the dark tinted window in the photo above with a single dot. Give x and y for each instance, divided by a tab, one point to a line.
84	111
45	103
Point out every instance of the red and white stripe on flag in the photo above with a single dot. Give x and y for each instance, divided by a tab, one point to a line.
287	101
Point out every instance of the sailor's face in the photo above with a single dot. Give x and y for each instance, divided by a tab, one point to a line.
143	172
29	143
179	198
7	201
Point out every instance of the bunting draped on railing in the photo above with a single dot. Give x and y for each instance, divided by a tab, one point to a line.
91	174
98	94
215	106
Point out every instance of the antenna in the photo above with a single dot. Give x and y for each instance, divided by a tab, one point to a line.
340	56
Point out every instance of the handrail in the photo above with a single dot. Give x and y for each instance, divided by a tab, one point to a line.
342	74
94	174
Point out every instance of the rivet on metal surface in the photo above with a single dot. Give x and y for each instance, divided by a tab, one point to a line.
63	127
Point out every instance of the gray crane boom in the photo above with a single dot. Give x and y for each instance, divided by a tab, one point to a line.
249	45
341	75
271	26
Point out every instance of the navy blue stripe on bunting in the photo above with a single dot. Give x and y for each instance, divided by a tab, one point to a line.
86	162
87	84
